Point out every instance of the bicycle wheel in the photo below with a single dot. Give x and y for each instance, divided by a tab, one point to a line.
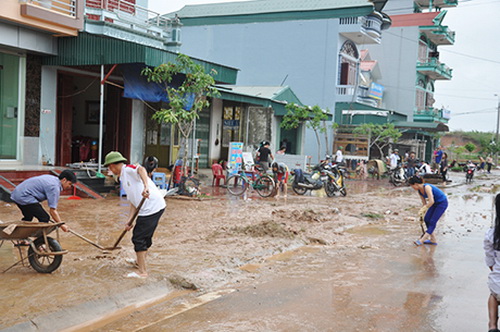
236	185
264	186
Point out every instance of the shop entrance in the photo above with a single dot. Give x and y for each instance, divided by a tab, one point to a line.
77	137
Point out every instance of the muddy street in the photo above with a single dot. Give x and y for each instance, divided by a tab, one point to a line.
304	263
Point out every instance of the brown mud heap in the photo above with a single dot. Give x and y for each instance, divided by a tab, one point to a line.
198	245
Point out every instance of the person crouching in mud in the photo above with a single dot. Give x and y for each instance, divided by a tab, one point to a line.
492	259
435	202
137	184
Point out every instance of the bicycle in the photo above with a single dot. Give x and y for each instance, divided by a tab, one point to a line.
238	184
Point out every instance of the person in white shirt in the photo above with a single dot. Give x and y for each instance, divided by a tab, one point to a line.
425	169
492	259
339	158
136	184
394	159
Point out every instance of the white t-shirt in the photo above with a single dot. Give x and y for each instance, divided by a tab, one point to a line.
133	186
425	169
339	158
394	160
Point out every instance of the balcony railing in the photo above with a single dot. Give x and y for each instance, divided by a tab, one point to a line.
370	26
433	65
125	11
66	7
430	114
345	90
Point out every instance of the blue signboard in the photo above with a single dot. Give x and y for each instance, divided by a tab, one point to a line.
235	157
376	91
231	123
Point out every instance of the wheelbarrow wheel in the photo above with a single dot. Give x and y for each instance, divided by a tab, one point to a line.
42	263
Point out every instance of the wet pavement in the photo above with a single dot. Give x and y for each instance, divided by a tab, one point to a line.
368	276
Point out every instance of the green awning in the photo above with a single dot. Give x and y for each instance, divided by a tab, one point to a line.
88	49
423	126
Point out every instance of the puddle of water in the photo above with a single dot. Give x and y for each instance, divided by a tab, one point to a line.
368	230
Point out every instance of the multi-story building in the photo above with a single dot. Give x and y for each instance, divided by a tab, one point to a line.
29	30
410	64
314	47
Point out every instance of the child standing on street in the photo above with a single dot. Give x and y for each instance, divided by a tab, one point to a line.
492	252
136	183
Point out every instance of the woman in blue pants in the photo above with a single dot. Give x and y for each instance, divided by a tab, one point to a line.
436	203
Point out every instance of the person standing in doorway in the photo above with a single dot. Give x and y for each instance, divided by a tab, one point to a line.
265	155
137	184
282	150
31	192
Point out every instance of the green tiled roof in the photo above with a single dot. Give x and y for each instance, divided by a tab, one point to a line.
89	49
271	10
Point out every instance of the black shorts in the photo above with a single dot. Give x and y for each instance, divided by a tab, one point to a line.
34	210
142	236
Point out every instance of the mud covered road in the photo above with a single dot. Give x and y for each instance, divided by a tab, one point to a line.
300	264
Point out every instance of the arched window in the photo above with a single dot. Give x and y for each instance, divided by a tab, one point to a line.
429	95
348	62
422	49
420	95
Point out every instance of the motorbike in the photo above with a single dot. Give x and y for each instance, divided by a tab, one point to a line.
398	176
325	175
469	173
335	180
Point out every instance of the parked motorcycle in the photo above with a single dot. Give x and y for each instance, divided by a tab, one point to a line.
335	180
469	172
325	175
398	176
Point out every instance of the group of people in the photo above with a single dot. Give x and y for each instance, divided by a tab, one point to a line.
136	183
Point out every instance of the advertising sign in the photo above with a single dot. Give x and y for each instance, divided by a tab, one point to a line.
235	157
376	91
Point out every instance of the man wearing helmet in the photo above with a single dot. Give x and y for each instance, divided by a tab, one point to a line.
280	171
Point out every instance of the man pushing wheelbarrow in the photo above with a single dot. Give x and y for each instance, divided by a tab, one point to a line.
143	196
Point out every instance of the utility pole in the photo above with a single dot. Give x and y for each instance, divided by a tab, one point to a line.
498	124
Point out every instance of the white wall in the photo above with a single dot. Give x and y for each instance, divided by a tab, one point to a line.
215	123
138	139
48	117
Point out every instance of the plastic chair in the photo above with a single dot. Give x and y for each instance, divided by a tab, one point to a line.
160	179
218	173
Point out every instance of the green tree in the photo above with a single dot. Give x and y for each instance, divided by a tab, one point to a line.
314	117
470	147
196	84
379	135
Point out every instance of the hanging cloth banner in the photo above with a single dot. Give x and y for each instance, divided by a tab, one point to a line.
137	86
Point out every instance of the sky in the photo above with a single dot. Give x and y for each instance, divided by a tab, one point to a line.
474	58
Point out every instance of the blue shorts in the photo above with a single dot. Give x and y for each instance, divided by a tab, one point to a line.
433	214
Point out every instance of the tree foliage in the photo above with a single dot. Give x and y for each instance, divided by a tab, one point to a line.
314	117
196	85
470	147
379	135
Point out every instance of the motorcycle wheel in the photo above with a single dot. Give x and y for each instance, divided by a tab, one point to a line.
298	190
329	189
343	191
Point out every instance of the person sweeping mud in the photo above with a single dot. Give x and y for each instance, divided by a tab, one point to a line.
136	184
492	259
435	202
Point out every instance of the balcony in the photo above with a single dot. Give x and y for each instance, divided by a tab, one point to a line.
65	13
431	114
362	30
438	34
128	21
345	93
434	69
437	3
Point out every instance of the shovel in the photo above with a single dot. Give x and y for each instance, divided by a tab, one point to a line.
130	222
86	240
